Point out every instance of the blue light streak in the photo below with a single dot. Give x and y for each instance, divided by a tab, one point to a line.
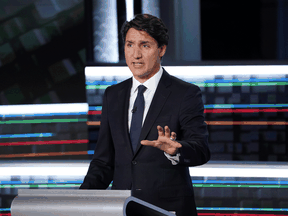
221	106
26	135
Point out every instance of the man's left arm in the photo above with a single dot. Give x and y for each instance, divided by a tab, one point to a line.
192	143
194	133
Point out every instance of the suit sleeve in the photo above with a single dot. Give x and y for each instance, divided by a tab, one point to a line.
193	130
101	169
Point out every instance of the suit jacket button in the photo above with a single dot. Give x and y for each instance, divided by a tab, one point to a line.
134	162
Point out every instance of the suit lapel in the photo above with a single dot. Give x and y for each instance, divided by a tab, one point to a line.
159	99
123	106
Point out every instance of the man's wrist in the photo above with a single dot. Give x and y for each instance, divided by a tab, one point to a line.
176	152
174	159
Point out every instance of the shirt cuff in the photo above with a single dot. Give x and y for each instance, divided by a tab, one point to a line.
174	159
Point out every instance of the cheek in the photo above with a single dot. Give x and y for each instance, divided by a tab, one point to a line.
153	58
127	57
127	51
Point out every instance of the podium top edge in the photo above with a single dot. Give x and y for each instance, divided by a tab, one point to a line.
77	192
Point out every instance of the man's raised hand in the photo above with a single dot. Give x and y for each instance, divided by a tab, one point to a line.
166	141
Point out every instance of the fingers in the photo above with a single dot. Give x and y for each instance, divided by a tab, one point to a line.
165	142
148	143
154	143
168	147
177	145
167	131
173	136
160	131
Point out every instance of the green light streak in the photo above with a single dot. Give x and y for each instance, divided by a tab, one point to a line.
38	121
212	84
97	86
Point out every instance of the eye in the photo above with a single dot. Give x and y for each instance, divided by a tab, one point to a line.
145	46
129	45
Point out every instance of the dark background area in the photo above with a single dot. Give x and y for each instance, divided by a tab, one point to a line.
42	52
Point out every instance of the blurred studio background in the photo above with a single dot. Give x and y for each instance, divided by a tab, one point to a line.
57	57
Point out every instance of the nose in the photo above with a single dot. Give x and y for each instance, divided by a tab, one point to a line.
137	53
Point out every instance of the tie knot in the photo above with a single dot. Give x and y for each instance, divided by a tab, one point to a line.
141	89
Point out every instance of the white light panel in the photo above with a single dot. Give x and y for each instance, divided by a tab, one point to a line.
70	170
129	9
43	108
94	72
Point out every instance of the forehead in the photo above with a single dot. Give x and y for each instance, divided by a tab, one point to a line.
134	35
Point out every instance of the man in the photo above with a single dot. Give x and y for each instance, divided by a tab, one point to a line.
152	162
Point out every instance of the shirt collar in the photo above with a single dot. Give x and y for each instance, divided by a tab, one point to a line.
151	83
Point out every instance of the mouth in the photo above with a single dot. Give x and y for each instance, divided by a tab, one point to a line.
137	64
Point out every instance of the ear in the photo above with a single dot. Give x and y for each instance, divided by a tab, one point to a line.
162	50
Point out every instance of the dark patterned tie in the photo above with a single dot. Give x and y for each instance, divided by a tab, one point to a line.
137	117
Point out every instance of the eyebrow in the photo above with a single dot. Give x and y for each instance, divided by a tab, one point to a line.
142	42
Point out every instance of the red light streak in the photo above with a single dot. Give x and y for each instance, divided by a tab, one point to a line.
243	110
94	112
44	154
222	111
245	123
237	214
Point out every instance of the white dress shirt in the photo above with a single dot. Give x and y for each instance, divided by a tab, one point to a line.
151	85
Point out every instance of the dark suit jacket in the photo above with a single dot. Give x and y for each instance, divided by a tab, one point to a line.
148	173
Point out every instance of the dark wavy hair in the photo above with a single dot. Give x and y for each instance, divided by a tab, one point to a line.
154	26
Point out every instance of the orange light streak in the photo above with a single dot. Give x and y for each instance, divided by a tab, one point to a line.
97	123
93	123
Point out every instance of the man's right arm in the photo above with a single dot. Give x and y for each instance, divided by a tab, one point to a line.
101	169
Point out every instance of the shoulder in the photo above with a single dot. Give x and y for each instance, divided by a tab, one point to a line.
126	84
182	85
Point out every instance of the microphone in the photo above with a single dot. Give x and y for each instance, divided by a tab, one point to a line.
134	109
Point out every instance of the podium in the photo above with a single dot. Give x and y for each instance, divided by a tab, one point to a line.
35	202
